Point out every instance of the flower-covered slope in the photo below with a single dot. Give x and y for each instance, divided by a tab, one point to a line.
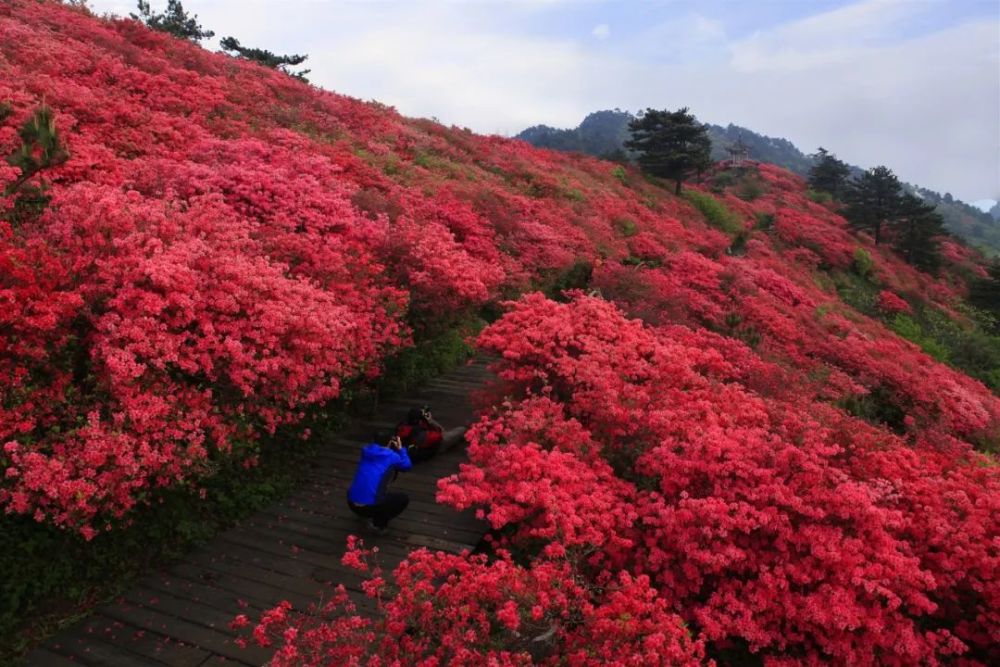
716	447
226	245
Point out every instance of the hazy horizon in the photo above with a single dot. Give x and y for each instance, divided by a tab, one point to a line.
914	85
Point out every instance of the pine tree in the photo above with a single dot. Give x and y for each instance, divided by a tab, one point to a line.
917	232
984	293
829	174
670	144
41	148
265	57
874	201
175	21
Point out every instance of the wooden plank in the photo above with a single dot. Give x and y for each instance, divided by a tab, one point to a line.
43	657
191	633
143	645
408	521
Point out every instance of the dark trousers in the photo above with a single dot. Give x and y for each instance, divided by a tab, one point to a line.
392	505
421	454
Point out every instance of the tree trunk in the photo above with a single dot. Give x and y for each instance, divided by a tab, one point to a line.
677	187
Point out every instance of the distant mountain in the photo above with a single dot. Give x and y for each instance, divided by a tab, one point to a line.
603	134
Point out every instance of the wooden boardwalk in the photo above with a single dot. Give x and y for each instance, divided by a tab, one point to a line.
290	551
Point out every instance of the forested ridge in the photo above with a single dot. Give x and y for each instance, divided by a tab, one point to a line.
603	134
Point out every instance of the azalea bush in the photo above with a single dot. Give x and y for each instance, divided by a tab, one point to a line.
470	610
732	418
770	523
632	462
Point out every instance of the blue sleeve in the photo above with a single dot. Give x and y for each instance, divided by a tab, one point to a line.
404	462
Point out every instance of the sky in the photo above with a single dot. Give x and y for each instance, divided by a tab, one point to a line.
911	84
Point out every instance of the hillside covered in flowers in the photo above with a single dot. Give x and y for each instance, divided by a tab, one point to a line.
724	428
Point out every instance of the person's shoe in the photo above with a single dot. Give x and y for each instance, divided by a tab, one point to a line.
377	530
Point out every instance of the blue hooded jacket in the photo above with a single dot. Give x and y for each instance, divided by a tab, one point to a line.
377	462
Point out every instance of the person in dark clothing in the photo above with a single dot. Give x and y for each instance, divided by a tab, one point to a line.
421	434
367	496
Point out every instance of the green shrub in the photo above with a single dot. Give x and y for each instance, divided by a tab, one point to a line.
819	196
625	227
879	406
576	276
765	221
750	188
863	263
619	173
857	291
906	327
967	346
714	211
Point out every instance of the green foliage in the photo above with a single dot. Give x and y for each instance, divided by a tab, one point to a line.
428	358
908	328
715	212
722	179
602	134
918	228
619	173
670	144
855	288
265	57
773	150
984	294
819	197
750	187
41	148
576	276
879	406
735	328
765	221
863	264
874	201
828	174
968	346
174	21
625	227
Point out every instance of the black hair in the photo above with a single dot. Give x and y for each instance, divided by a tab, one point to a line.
381	437
414	416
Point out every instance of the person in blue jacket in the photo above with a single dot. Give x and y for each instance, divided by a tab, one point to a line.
367	497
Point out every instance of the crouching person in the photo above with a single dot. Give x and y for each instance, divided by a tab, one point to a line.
368	496
421	434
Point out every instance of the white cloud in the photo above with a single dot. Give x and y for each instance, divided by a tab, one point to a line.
926	106
601	31
825	38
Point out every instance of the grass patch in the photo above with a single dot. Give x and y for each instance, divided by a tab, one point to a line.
625	227
819	196
714	211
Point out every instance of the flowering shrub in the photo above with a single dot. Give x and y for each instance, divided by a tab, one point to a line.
467	610
783	526
638	467
722	451
890	303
